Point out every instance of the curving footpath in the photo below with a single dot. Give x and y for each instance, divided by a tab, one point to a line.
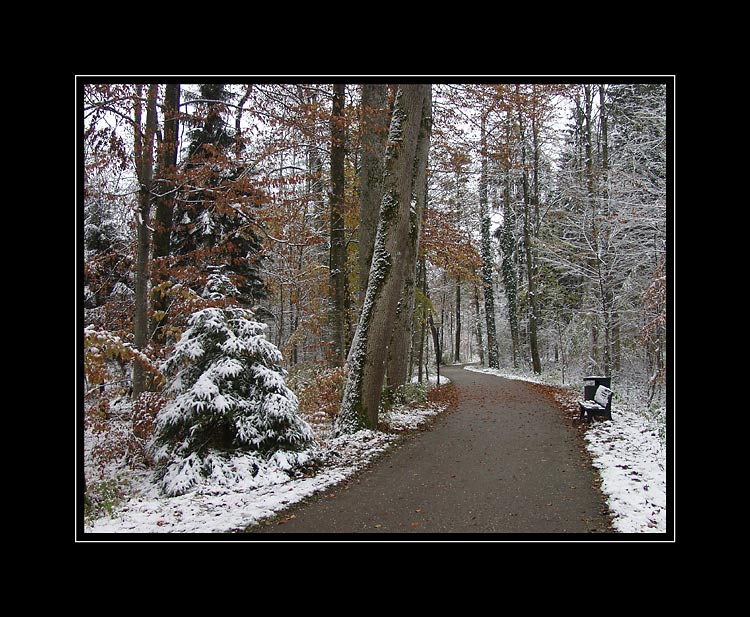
504	461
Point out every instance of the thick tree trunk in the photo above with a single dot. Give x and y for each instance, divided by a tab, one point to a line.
337	261
398	364
374	134
144	157
369	351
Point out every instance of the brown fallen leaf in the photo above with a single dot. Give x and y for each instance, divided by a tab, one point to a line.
287	519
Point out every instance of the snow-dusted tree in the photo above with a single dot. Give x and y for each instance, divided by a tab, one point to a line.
214	215
399	225
611	238
374	132
230	411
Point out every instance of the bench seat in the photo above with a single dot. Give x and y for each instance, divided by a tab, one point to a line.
600	406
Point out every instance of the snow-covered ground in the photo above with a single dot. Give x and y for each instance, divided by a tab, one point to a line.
218	509
631	455
629	451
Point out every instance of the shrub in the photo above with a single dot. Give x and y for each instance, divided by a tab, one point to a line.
410	393
226	395
320	390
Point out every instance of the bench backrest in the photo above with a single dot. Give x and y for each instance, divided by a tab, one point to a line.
603	396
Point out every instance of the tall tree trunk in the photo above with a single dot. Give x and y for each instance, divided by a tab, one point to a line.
436	344
528	226
480	335
510	282
487	257
166	166
457	349
374	133
398	365
337	260
591	195
144	158
611	332
369	351
422	269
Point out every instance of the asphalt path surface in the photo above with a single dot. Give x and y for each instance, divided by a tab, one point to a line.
504	461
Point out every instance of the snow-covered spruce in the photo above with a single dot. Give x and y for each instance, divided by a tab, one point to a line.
230	412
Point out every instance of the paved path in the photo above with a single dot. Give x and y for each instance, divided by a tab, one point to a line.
504	461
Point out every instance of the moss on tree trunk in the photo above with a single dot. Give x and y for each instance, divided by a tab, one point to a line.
390	263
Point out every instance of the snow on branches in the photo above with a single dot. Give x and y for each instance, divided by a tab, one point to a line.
230	411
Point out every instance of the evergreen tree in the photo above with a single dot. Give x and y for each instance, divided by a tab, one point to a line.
229	398
213	133
213	222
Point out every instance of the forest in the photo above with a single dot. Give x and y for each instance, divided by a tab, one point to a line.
258	260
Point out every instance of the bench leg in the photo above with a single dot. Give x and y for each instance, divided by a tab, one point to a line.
585	415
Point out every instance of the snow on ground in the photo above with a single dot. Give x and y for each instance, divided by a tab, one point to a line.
213	509
220	509
630	454
629	451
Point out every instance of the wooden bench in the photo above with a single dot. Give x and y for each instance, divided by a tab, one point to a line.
600	406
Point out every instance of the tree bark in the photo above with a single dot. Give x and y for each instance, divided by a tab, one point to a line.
144	158
436	344
487	260
528	232
591	195
374	133
510	282
480	335
398	364
611	332
166	185
457	349
422	269
337	260
369	351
